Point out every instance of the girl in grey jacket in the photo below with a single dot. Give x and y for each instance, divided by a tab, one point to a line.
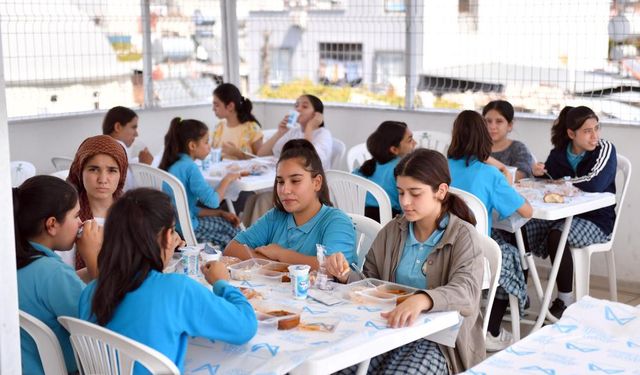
433	247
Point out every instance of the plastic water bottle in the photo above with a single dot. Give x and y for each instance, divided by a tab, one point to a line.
321	278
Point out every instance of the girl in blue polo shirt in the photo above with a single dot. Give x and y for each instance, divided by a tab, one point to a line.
591	163
302	217
387	145
134	298
46	216
471	168
186	141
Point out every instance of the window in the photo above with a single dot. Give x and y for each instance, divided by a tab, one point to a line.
340	63
468	15
280	69
388	67
394	6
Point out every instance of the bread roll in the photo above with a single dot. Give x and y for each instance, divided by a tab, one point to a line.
553	198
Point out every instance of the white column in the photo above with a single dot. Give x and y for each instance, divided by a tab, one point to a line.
413	48
9	326
231	56
146	55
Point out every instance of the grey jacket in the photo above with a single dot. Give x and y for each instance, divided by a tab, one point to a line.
454	272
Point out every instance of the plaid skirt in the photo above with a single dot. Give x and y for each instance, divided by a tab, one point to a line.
511	275
419	357
582	233
215	229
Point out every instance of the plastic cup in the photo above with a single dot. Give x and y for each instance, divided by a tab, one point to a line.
293	119
216	155
190	260
299	274
513	171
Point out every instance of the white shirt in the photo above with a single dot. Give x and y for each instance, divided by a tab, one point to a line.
321	140
69	257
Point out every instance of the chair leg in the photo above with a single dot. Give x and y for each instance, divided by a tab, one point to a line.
613	283
363	367
582	270
515	317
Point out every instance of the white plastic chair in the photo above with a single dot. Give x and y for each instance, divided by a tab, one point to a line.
61	163
349	192
148	176
101	351
433	140
338	148
21	171
582	256
493	260
477	207
47	343
366	231
63	174
357	155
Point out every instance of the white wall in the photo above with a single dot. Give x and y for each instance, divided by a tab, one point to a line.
38	140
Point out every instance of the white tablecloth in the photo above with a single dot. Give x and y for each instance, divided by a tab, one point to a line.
264	175
278	352
593	337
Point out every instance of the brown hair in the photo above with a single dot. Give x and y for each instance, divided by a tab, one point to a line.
431	168
469	138
304	151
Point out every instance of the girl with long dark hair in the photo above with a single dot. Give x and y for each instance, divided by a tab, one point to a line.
302	217
133	297
432	247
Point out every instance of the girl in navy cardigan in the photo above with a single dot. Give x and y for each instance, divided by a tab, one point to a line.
590	163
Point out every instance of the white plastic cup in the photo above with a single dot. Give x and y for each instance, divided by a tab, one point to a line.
190	260
216	155
299	274
293	119
513	171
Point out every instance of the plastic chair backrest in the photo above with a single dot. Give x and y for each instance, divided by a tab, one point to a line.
148	176
366	231
357	155
348	192
61	163
63	174
21	171
477	207
624	167
338	150
433	140
47	343
492	260
101	351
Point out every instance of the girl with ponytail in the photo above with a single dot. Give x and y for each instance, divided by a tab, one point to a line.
387	145
186	141
46	217
239	133
433	247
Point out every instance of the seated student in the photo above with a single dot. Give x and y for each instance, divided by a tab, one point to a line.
590	162
98	172
239	131
468	153
132	296
46	217
302	217
498	116
387	145
186	141
433	247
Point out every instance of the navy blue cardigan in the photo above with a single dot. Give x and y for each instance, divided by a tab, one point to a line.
596	173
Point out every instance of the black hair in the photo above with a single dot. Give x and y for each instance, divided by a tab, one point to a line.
431	168
503	107
570	118
388	134
118	114
177	139
229	93
36	200
470	138
316	103
130	250
304	151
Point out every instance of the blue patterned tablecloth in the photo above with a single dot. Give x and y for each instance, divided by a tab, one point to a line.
593	337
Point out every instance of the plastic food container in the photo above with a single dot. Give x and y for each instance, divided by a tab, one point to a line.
273	315
271	276
373	291
245	270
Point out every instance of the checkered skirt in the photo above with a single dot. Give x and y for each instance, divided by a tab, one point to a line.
582	233
215	229
511	275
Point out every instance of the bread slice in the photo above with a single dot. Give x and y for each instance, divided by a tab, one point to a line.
553	198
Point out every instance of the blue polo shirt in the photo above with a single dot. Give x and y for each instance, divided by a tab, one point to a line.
168	308
574	159
415	253
383	176
47	288
329	227
197	188
488	184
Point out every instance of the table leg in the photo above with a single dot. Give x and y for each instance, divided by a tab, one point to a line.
363	367
233	211
544	309
528	263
